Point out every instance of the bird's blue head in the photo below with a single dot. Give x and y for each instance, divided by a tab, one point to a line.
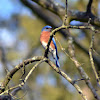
47	28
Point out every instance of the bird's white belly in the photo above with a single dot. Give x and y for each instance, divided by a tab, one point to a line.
44	44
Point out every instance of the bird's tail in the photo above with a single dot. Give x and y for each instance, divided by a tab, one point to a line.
55	56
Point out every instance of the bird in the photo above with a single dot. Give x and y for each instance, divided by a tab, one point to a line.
44	38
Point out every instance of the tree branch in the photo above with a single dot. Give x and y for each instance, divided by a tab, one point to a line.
73	15
13	71
89	6
91	58
67	78
80	69
42	59
26	78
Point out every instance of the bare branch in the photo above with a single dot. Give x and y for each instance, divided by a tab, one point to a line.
89	6
73	15
26	78
66	15
67	78
91	58
13	71
81	70
54	67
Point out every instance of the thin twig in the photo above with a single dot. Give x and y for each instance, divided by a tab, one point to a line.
66	14
91	58
26	78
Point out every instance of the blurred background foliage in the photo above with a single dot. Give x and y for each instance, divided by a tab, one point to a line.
20	30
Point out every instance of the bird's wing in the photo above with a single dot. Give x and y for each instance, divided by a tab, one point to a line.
55	47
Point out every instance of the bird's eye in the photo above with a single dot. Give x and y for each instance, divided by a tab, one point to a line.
47	28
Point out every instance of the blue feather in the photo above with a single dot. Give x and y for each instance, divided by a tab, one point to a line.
54	43
47	26
57	62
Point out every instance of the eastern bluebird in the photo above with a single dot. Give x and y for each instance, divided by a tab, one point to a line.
44	38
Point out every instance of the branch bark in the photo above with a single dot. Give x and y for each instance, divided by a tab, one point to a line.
72	14
13	71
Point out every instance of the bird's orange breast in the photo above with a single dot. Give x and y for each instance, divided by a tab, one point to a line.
44	37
